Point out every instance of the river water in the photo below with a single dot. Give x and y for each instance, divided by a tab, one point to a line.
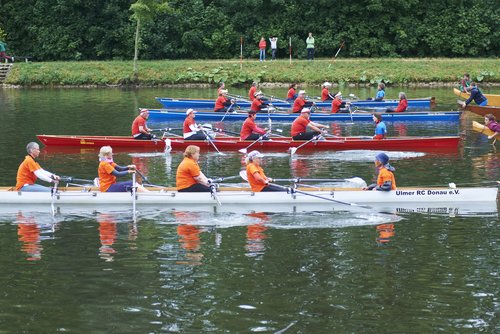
336	271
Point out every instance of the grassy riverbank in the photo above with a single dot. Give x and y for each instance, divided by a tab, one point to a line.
440	71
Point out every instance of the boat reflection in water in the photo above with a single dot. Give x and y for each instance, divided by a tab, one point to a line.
31	233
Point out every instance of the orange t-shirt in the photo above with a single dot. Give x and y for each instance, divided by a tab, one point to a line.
186	172
298	104
254	184
299	125
325	94
219	103
250	127
106	178
291	93
251	93
188	122
138	121
256	105
386	175
336	103
26	172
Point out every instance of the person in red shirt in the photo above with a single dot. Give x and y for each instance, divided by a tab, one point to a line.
385	178
259	102
250	130
223	103
402	105
256	178
301	123
292	93
221	87
325	93
337	103
301	102
140	129
191	130
262	49
189	177
108	170
252	90
29	171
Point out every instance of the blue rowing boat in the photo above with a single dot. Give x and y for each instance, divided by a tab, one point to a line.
160	115
207	104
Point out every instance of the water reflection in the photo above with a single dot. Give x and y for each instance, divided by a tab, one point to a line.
255	244
31	233
107	236
385	233
189	236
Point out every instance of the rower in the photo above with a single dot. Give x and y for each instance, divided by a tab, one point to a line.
301	123
30	170
337	103
221	87
325	93
385	177
292	93
477	96
189	177
256	178
259	102
252	90
492	124
380	92
108	170
190	129
250	130
223	102
380	129
139	128
301	102
402	105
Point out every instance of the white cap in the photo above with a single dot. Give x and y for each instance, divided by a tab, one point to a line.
254	154
302	92
305	110
338	94
258	93
223	91
327	84
142	110
190	111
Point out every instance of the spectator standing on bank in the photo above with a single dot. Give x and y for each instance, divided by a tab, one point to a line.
3	54
274	46
262	49
310	47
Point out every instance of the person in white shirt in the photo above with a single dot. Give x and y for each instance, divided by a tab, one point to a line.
274	46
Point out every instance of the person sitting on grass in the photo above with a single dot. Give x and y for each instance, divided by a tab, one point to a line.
385	174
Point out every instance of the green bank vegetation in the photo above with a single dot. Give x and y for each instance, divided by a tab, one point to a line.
167	72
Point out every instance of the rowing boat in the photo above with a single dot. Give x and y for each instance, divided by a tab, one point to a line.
161	115
478	110
484	129
185	103
418	144
238	199
493	99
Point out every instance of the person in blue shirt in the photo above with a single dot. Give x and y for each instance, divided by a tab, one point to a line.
380	129
477	96
380	93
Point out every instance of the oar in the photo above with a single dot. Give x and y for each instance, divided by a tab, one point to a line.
211	141
70	179
350	113
222	179
294	149
227	111
356	180
227	131
166	129
244	150
53	192
243	175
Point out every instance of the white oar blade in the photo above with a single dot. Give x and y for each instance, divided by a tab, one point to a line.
243	175
293	150
243	150
359	182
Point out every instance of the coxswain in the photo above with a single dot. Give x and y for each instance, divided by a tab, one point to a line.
189	177
402	105
292	93
325	92
108	170
301	102
385	174
337	103
380	92
302	122
256	178
29	171
250	130
223	102
380	129
140	129
251	92
259	102
191	130
476	95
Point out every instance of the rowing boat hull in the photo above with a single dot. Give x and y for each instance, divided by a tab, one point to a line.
478	127
478	110
419	144
493	99
173	103
162	115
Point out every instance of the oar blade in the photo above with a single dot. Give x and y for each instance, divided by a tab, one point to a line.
292	150
243	150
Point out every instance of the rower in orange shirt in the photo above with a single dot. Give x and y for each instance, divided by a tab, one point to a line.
189	177
325	93
250	130
301	102
292	93
190	129
223	103
259	102
140	129
29	171
221	87
251	92
108	170
385	178
337	103
256	178
299	126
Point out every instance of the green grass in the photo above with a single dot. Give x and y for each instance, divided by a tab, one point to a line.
343	71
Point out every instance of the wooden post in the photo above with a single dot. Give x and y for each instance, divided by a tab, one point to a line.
290	51
241	53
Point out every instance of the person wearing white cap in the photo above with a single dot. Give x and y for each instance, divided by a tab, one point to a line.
191	130
301	102
301	123
385	177
325	92
256	178
259	102
140	129
337	103
223	103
